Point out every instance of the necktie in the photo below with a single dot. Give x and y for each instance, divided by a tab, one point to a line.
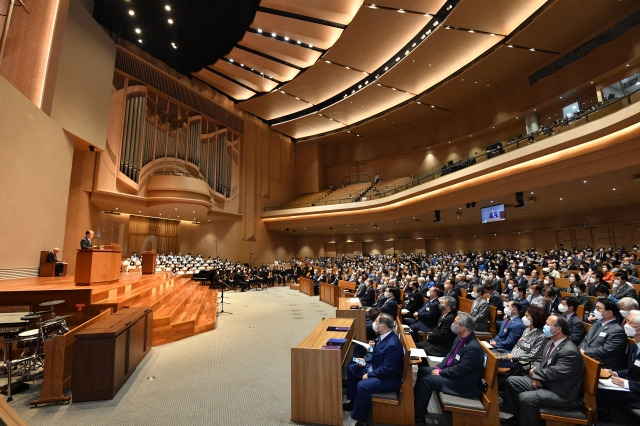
547	356
634	354
596	329
453	355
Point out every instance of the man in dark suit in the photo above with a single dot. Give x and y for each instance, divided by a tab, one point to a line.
494	298
426	318
383	373
608	400
369	297
450	290
438	342
415	302
606	339
459	372
85	243
390	305
621	287
554	382
568	307
511	328
52	257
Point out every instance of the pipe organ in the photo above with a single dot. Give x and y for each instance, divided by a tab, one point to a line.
155	129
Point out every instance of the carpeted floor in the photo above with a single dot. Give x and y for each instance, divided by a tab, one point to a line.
238	374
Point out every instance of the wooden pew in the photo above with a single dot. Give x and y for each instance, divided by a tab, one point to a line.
477	412
586	414
329	293
58	357
347	288
306	286
396	407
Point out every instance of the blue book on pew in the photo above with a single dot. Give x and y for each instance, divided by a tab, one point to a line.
337	328
335	341
332	347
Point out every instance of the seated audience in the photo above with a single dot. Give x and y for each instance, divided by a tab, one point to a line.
426	318
511	328
414	302
622	287
459	372
609	400
606	340
382	373
438	341
554	382
627	304
568	308
479	308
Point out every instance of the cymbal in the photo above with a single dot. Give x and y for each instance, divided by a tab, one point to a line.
41	312
52	303
59	317
56	319
31	316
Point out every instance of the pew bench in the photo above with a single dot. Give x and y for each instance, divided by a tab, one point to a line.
396	407
481	411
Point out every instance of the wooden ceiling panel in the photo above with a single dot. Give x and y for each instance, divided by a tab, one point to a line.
422	6
244	76
496	16
407	115
567	23
307	126
442	54
224	85
271	68
373	37
322	81
317	35
273	105
290	53
504	64
365	103
338	11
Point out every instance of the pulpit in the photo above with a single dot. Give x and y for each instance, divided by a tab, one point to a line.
149	262
98	265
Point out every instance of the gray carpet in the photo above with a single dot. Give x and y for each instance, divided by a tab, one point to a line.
238	374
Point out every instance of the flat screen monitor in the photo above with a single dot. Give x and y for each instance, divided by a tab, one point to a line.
570	109
493	213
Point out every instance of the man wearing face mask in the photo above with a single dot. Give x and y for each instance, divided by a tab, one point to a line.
390	305
606	339
621	287
459	372
438	342
518	296
511	328
426	318
609	401
383	373
626	305
568	308
555	382
479	308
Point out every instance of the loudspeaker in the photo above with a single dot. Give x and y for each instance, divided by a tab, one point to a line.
519	199
436	215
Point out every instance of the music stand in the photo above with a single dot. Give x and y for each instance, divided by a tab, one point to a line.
222	302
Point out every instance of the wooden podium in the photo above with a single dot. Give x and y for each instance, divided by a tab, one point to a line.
98	265
149	262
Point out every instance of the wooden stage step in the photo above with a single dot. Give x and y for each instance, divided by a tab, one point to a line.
181	307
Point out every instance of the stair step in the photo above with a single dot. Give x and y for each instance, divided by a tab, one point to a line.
208	313
169	311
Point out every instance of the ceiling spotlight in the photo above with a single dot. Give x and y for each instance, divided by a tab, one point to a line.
140	40
131	12
273	34
138	30
170	21
259	30
167	8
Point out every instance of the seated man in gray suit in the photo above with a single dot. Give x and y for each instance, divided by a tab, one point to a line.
480	308
458	373
554	382
606	340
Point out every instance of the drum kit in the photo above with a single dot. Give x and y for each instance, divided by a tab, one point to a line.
25	333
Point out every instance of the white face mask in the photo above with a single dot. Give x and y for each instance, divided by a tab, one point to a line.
526	321
576	291
510	286
598	315
572	279
616	282
546	281
631	331
563	308
605	269
592	280
507	312
474	294
624	313
375	327
516	295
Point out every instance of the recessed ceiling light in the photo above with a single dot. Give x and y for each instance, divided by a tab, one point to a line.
140	40
170	21
131	12
259	30
167	8
138	30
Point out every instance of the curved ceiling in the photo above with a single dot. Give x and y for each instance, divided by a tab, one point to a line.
310	68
